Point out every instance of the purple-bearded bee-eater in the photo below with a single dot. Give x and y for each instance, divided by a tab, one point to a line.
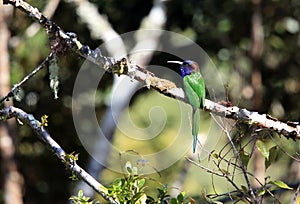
194	88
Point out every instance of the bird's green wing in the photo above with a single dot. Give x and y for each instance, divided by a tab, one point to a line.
195	82
190	93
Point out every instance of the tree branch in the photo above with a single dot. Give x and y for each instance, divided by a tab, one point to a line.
61	41
13	112
17	86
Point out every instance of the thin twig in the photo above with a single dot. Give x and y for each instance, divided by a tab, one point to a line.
284	151
240	161
223	174
17	86
204	168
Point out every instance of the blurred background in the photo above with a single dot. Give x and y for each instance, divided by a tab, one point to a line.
253	44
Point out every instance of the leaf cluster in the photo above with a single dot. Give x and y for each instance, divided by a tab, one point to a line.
130	189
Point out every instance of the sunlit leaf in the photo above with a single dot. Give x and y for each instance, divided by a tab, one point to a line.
281	184
272	157
141	183
215	155
117	183
80	193
261	146
262	192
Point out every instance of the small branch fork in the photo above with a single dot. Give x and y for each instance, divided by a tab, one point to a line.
13	112
17	86
61	42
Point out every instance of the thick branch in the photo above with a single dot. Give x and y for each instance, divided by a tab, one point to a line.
11	112
61	41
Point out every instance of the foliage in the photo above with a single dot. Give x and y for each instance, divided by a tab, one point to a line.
69	160
44	121
234	160
81	199
131	189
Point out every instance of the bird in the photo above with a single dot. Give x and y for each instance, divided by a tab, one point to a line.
194	89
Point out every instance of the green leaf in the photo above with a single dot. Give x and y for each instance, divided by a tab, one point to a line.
73	177
173	201
273	156
3	118
245	158
141	183
261	192
180	198
244	188
215	155
80	193
261	146
281	184
117	182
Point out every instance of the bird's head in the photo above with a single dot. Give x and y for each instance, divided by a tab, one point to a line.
187	67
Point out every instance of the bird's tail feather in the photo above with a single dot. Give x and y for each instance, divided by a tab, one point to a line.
195	126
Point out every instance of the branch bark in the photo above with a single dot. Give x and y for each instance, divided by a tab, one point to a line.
61	41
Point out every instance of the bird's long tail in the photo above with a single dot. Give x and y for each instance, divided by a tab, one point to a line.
195	126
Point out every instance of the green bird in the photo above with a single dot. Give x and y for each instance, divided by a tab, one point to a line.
194	88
